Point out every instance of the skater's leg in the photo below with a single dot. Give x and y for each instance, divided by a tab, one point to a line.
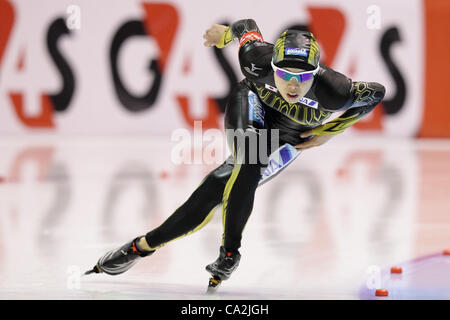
192	215
237	206
251	144
238	199
244	120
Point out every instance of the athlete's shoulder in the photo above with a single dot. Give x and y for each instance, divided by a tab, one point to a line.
332	89
254	60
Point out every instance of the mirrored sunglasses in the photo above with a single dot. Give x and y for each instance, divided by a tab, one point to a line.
287	75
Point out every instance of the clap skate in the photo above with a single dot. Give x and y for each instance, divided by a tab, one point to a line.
119	260
222	268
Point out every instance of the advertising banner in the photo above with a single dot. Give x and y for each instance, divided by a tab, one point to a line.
132	67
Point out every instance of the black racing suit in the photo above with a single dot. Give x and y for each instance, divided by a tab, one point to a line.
234	184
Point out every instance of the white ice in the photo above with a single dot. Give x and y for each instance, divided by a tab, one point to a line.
316	231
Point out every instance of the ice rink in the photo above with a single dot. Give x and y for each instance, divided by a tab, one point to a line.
329	227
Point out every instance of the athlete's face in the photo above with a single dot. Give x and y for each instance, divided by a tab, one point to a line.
293	90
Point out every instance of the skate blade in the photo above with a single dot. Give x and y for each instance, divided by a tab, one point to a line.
95	269
213	285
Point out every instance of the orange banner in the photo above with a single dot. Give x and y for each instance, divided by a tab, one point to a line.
436	118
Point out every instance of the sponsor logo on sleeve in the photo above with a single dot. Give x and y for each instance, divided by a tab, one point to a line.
279	160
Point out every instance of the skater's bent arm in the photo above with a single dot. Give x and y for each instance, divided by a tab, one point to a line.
220	36
364	97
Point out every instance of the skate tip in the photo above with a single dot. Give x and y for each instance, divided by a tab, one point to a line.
95	269
211	290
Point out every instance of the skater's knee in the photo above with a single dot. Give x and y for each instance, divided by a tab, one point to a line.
220	175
